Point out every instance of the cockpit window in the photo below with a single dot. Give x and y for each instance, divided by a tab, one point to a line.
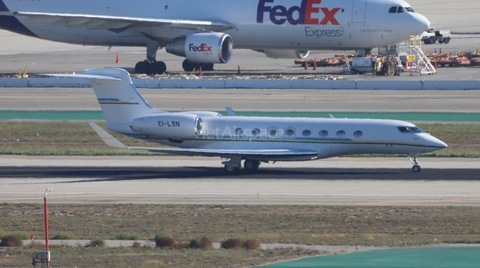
409	9
410	130
392	10
400	10
416	129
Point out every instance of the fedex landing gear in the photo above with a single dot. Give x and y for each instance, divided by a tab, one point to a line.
151	65
416	166
189	66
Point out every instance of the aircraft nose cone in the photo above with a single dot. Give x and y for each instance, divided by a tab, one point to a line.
420	23
438	143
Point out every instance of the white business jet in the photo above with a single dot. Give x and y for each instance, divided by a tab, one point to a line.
249	139
205	32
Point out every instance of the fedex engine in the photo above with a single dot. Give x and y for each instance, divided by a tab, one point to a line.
203	47
177	126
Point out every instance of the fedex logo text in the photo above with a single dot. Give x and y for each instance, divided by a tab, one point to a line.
200	48
296	14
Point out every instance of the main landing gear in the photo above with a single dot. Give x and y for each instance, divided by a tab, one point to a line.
416	166
233	166
189	66
150	66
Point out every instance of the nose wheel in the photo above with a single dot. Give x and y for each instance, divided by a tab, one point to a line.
416	166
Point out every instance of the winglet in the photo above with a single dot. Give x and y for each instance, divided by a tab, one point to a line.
230	111
107	138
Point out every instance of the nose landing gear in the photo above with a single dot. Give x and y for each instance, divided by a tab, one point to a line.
416	166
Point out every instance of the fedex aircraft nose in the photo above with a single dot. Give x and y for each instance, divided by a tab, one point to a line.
420	23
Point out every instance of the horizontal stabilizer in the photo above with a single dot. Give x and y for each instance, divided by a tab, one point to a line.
86	76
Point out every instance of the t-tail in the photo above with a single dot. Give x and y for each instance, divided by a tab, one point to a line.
118	98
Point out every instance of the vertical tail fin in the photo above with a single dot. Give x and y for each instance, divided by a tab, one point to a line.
119	99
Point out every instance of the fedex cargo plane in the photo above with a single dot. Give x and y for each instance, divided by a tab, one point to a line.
205	32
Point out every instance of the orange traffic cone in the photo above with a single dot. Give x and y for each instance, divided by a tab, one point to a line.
117	58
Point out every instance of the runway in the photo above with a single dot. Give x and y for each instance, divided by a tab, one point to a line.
169	180
196	180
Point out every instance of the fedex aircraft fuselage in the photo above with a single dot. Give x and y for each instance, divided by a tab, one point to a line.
280	28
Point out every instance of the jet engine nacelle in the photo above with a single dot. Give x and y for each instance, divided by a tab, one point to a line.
286	54
172	126
203	47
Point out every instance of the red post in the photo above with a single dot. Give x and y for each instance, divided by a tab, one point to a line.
117	58
314	64
45	211
200	70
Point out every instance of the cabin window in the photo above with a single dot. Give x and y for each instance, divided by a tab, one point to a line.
255	132
238	131
323	133
272	132
400	10
392	10
340	133
290	132
306	133
358	134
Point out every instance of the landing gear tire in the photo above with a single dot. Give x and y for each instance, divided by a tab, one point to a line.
158	67
231	169
416	169
147	67
251	165
142	67
189	66
207	66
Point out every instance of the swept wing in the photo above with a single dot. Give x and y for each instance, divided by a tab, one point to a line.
270	154
115	23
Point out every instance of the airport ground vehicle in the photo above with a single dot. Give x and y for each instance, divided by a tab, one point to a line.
431	36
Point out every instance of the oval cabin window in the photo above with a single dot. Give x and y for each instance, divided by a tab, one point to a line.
357	134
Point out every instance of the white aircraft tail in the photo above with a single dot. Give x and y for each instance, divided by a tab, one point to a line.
118	98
